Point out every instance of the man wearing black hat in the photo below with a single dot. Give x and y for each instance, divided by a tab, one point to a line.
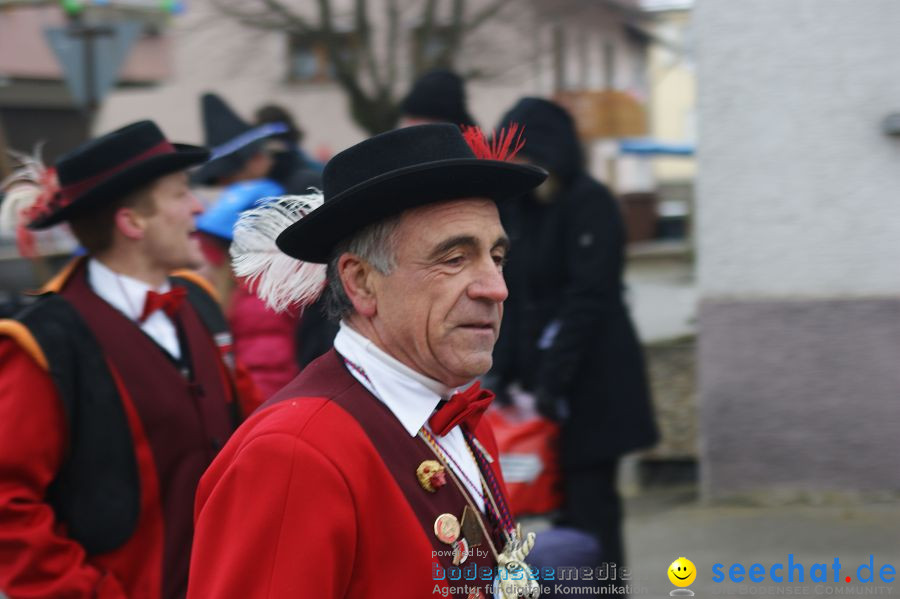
438	96
356	480
115	392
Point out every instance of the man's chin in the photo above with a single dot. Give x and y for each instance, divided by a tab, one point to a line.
478	339
479	366
185	264
194	259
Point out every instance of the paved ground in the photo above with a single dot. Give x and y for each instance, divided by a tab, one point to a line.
668	523
663	525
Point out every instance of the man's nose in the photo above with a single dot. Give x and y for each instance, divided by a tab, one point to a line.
196	205
489	284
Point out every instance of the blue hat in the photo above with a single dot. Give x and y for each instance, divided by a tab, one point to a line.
219	219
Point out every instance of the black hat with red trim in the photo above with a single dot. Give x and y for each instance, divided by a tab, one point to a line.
107	168
401	169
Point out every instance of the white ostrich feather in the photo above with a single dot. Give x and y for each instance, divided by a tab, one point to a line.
30	168
23	189
17	201
278	279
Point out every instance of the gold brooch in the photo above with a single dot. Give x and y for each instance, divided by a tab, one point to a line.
431	475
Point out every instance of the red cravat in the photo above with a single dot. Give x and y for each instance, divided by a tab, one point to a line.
466	406
168	302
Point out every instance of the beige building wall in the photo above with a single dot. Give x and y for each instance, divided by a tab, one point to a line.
673	101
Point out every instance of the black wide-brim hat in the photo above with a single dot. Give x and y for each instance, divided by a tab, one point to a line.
394	171
109	167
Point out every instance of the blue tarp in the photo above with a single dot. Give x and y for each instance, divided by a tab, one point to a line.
652	147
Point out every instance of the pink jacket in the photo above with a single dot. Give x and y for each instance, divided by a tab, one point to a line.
264	341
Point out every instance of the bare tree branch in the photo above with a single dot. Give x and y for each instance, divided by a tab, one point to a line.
424	33
453	35
369	78
428	13
364	33
275	16
485	15
458	14
295	21
393	42
342	67
376	112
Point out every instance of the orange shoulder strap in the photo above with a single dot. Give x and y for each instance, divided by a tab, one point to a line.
21	335
198	280
59	280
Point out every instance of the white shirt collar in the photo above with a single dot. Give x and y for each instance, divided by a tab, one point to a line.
410	395
124	293
128	295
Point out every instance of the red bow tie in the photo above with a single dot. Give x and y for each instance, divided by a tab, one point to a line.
466	406
168	302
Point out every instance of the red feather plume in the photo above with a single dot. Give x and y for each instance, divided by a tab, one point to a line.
46	200
502	146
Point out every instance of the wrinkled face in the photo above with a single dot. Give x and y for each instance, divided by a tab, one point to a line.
439	310
169	239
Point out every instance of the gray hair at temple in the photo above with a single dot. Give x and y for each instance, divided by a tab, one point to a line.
375	245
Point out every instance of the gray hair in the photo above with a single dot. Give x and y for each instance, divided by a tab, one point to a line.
375	245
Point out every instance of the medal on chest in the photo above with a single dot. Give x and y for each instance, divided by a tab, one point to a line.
447	529
511	561
514	579
432	475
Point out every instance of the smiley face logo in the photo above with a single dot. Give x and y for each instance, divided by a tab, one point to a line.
682	572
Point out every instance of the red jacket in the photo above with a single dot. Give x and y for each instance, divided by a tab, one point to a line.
316	495
37	557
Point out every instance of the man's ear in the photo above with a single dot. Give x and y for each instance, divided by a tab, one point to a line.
130	223
357	277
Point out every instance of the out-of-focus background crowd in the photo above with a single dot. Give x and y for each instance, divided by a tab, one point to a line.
753	147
